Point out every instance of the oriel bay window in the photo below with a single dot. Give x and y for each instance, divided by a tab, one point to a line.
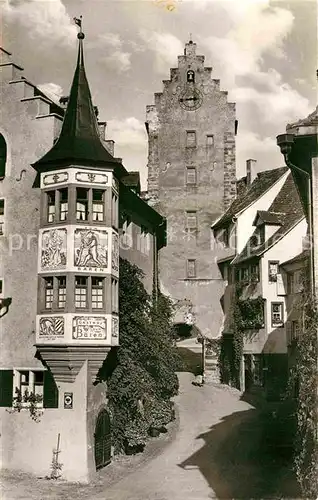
61	296
98	205
63	194
97	293
90	292
50	206
48	292
81	204
81	285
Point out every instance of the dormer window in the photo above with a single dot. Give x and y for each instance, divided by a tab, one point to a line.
190	76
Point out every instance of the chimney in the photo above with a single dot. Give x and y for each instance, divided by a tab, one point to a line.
102	130
251	172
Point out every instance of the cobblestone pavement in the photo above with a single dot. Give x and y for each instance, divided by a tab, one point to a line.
217	452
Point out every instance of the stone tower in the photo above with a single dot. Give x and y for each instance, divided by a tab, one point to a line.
191	181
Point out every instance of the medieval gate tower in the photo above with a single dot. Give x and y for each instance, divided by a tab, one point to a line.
191	181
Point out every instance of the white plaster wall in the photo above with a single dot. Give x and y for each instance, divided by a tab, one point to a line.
285	249
245	220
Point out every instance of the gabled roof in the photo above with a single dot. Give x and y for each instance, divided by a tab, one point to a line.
270	218
310	120
264	181
288	204
79	142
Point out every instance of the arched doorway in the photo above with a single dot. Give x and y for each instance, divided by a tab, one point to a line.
102	438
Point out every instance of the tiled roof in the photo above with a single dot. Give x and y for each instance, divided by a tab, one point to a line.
270	217
259	186
288	204
310	120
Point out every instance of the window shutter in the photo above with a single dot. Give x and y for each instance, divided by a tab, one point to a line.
6	388
50	390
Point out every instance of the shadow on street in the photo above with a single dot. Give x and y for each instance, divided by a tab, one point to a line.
237	462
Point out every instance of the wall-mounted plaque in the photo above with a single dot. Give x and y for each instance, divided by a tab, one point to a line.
52	327
56	178
53	249
68	400
91	177
90	249
89	328
115	252
115	327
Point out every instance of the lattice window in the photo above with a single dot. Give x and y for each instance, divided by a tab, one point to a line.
63	203
48	292
97	293
81	284
98	204
61	287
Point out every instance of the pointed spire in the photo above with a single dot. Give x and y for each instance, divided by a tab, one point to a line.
79	142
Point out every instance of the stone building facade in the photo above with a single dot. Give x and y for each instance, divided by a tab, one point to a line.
191	180
69	210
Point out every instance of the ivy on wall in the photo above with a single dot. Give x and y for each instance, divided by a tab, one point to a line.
303	386
142	376
245	314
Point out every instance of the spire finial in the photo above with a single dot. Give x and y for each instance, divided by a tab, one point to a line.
78	21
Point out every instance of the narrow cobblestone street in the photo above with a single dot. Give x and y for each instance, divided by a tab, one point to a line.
213	451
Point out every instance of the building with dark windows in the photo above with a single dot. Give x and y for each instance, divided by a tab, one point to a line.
65	221
191	180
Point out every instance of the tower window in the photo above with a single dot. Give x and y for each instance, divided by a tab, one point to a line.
97	293
210	140
191	139
1	288
191	175
191	268
190	76
81	204
61	280
63	204
3	157
51	206
1	216
81	283
191	220
98	205
48	293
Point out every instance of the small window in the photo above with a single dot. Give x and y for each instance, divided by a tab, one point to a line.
98	204
127	234
1	217
63	204
144	244
290	283
3	157
191	268
191	220
61	280
277	314
255	272
81	204
245	274
191	139
272	271
81	283
50	206
97	293
114	295
190	76
210	140
1	288
191	176
28	383
48	293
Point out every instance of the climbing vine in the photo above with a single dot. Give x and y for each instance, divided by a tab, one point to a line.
245	314
142	378
303	386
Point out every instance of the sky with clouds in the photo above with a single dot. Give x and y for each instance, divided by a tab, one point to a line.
264	52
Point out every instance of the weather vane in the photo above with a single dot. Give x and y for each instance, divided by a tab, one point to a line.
78	21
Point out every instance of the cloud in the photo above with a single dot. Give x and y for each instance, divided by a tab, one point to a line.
52	90
166	47
128	132
258	30
263	149
113	54
46	20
